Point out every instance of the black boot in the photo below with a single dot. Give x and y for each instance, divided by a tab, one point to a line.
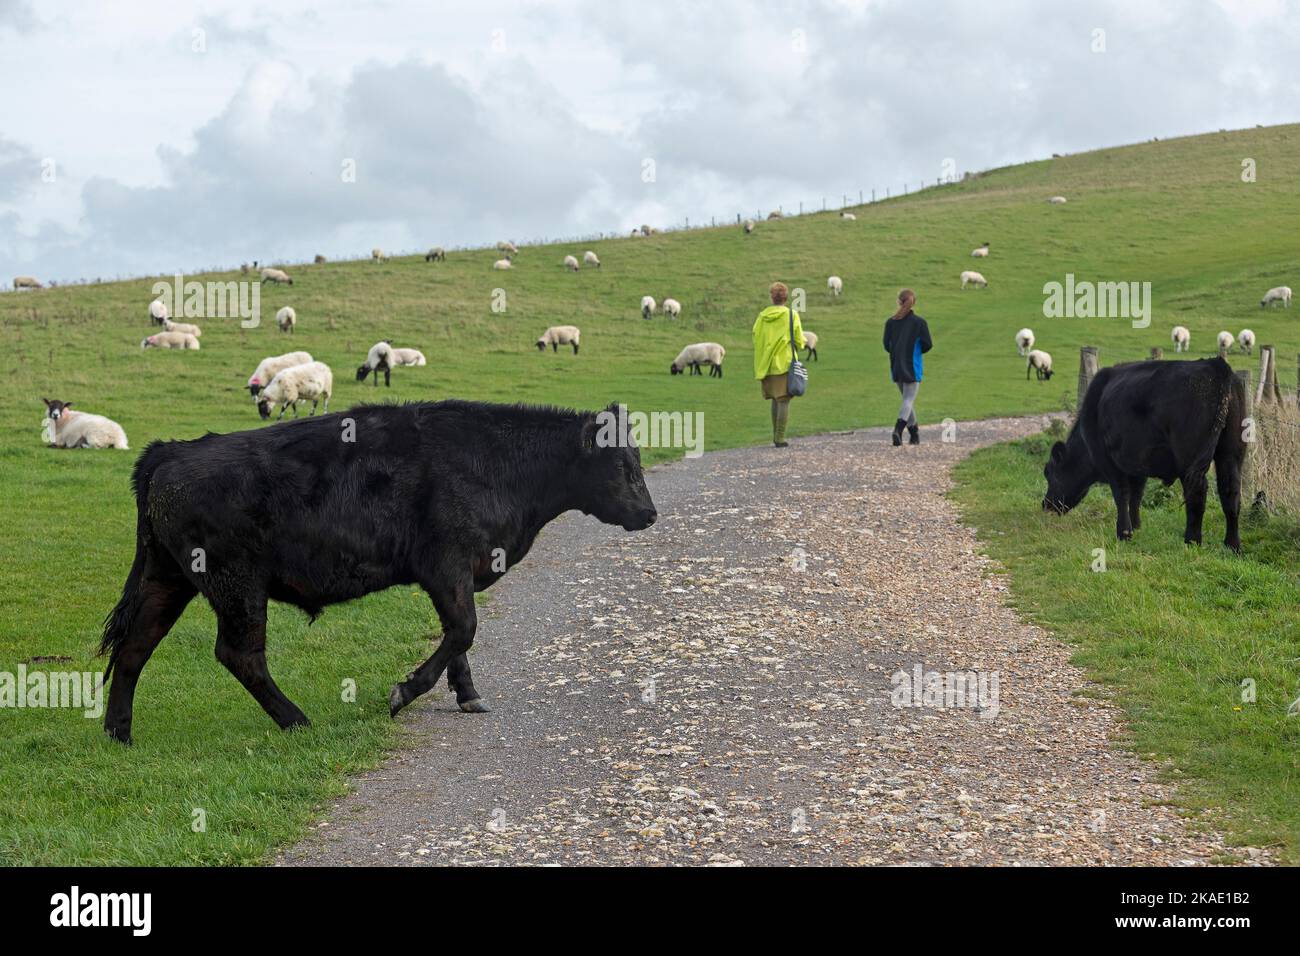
913	435
898	432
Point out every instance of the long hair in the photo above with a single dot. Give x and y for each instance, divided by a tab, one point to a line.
906	299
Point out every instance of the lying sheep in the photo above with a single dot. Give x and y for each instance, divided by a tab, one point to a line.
65	427
1057	200
273	365
278	276
377	255
382	357
1225	342
1024	341
1280	293
1040	363
848	217
1246	339
170	340
1181	338
981	253
571	263
672	308
286	319
835	285
776	214
701	353
509	247
27	282
436	254
310	382
647	306
558	335
158	313
591	259
970	277
749	226
505	263
170	326
810	342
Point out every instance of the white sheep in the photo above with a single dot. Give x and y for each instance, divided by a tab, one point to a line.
981	253
278	276
810	343
436	254
971	277
749	226
273	365
286	319
27	282
647	306
65	427
776	214
1280	293
848	217
591	259
672	308
1040	363
1181	338
1024	341
170	340
502	263
377	255
1225	342
1057	200
835	285
382	357
571	263
170	326
507	247
701	353
310	382
1246	339
158	313
558	335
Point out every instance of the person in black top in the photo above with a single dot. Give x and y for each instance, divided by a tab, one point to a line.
907	338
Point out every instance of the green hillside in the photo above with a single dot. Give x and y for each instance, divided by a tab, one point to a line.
1175	214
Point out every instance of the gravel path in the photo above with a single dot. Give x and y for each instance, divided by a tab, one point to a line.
718	690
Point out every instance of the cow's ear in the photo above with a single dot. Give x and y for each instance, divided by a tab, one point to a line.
590	428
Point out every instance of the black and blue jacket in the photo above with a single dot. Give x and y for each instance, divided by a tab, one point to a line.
906	340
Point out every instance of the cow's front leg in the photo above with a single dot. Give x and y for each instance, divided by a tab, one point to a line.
1194	488
454	601
1137	488
1119	488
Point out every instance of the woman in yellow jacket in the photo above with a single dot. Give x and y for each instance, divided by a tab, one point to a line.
772	356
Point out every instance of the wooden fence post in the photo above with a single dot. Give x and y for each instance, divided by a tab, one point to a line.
1267	390
1087	369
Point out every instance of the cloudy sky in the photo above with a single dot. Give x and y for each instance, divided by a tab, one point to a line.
165	134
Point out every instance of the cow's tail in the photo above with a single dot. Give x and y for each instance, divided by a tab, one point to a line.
121	620
1235	417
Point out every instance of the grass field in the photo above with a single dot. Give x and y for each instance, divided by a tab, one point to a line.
1175	214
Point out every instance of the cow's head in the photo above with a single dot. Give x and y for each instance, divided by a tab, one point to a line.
610	483
1068	479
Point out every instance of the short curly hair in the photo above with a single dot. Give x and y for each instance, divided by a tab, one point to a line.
779	292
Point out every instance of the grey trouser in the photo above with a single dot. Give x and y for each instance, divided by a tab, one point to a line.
908	391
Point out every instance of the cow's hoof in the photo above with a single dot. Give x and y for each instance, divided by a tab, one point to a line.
475	706
396	700
122	736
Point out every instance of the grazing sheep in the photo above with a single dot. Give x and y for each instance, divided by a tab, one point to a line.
27	282
647	306
1024	341
701	353
170	340
981	253
158	313
558	335
848	217
382	357
749	226
776	214
64	427
1281	294
591	259
672	308
508	247
571	263
835	285
319	260
646	230
377	255
278	276
286	319
273	365
170	326
310	382
1246	339
810	342
1225	342
1057	200
436	254
1041	363
970	277
1181	338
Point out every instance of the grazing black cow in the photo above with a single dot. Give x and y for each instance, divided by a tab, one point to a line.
446	495
1165	420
